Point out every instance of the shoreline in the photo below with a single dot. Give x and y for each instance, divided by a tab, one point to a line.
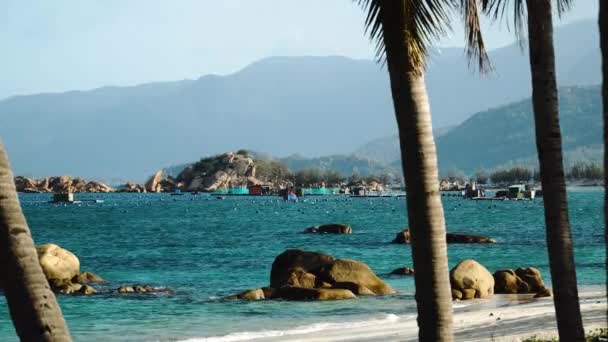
502	318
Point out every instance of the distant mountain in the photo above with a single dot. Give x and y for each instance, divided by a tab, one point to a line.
505	135
281	105
344	164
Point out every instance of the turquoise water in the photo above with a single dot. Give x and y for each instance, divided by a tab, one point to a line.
205	248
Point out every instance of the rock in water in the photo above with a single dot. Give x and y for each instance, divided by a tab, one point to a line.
344	270
470	275
87	277
532	277
285	263
329	229
57	263
467	238
404	237
255	294
506	281
543	292
403	271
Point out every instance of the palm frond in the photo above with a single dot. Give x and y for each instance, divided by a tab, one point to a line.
475	46
564	6
425	21
498	10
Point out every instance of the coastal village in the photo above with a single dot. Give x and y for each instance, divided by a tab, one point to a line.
233	174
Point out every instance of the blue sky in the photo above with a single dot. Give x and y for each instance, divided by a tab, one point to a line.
59	45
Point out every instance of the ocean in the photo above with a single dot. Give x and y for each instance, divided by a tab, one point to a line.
204	249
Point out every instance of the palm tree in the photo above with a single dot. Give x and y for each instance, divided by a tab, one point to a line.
33	307
603	21
404	30
549	147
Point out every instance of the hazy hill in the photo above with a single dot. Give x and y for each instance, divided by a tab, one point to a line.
282	105
505	135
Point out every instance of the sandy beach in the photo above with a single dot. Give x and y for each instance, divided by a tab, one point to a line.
503	318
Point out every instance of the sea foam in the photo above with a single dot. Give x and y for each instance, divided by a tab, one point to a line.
300	330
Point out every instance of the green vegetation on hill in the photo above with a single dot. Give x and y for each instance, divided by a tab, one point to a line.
505	134
503	137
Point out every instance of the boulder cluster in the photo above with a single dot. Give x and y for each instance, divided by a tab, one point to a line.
305	275
59	184
228	170
469	279
62	270
522	280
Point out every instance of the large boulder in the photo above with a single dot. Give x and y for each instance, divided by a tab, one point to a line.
344	270
532	277
522	280
304	275
294	259
57	263
506	281
469	276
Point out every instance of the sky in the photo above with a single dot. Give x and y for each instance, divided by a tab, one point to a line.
61	45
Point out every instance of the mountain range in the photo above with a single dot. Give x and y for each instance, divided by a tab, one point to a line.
314	106
504	136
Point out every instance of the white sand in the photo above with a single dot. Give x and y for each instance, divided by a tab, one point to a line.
504	318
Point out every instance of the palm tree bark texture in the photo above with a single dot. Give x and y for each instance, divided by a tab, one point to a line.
33	306
418	153
549	147
603	23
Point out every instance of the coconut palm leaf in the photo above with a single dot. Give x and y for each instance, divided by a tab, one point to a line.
426	21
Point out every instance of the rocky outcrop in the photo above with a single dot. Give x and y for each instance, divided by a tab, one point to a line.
404	237
59	184
469	279
329	229
57	263
153	183
219	172
522	280
132	187
304	275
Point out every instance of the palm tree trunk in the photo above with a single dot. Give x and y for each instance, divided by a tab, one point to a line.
603	21
549	146
33	307
418	154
